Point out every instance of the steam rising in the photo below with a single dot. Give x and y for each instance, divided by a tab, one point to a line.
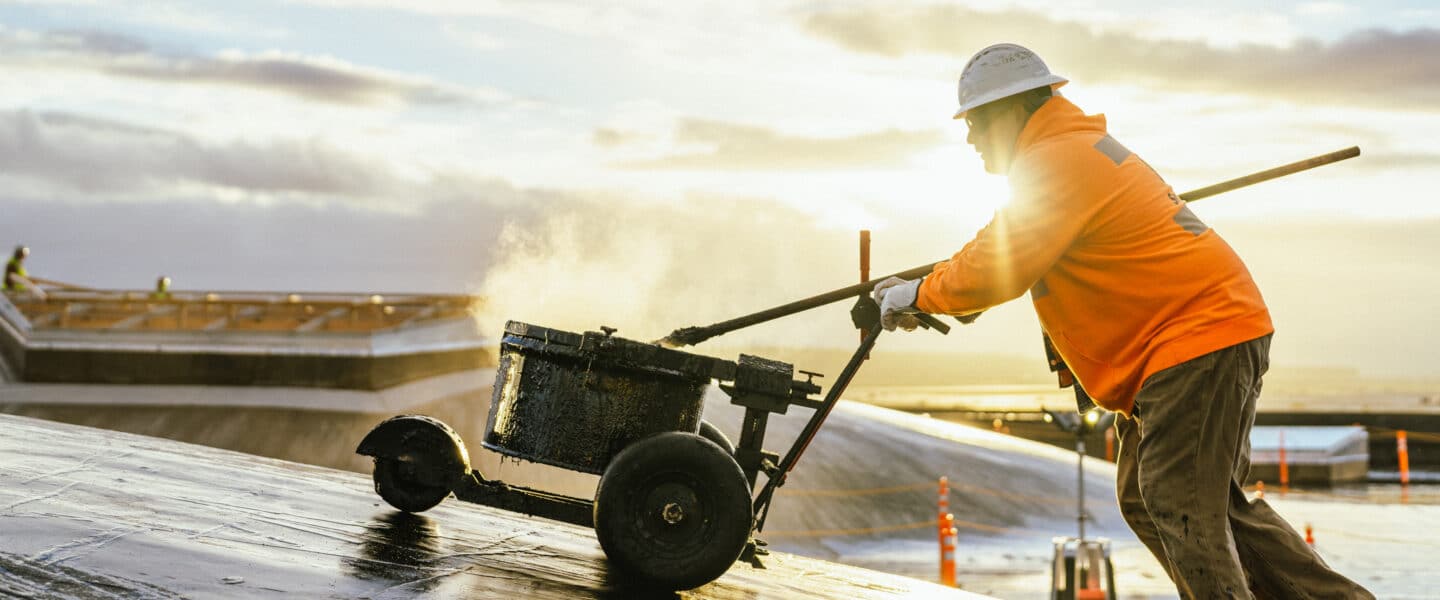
650	269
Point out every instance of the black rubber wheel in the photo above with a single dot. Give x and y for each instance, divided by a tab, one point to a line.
713	433
399	484
672	511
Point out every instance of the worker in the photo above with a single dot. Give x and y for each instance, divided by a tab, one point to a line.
16	279
162	289
1155	316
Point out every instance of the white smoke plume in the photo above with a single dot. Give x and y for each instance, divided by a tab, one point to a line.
649	269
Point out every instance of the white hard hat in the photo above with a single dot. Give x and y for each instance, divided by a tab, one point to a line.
999	71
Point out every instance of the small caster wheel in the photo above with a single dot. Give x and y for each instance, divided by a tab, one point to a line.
399	482
418	461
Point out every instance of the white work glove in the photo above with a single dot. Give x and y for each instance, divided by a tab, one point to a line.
896	298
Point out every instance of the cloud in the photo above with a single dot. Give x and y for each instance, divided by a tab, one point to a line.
313	78
472	38
97	159
84	153
320	79
1366	68
1324	9
606	137
94	42
735	147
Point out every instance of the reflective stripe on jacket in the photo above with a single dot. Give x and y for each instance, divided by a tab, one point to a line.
1125	279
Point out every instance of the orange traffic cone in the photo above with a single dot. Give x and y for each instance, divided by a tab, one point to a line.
1402	453
947	550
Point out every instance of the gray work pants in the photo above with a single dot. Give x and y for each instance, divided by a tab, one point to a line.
1183	461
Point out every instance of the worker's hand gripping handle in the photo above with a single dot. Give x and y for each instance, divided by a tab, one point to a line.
865	315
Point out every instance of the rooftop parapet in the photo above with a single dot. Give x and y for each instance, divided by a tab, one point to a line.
332	340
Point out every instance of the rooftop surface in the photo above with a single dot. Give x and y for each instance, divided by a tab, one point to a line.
89	513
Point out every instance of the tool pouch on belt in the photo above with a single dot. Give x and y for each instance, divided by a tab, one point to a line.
1083	403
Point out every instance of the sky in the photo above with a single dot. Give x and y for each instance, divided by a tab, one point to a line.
649	165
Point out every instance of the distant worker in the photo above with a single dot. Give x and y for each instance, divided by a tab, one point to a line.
162	289
16	279
1155	315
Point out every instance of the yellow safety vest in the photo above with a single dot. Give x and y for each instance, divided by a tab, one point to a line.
13	266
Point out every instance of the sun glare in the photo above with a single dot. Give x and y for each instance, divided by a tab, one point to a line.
987	193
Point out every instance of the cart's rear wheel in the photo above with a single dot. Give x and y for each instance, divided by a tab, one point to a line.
713	433
673	510
401	483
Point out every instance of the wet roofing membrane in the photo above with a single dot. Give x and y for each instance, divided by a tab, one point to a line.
87	513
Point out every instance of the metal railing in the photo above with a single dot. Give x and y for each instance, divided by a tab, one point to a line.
72	307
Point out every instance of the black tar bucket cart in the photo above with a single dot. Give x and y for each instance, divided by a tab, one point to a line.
676	504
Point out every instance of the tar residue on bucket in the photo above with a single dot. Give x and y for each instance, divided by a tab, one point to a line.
574	400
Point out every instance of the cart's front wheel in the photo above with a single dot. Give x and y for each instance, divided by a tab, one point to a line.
418	460
673	510
401	484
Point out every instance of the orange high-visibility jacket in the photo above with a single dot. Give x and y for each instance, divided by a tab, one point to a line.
1125	279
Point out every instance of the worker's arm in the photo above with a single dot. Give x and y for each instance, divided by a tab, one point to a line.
21	282
1048	211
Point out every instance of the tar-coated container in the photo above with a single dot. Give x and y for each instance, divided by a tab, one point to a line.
575	400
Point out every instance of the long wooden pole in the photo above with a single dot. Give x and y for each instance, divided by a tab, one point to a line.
687	336
1268	174
864	266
